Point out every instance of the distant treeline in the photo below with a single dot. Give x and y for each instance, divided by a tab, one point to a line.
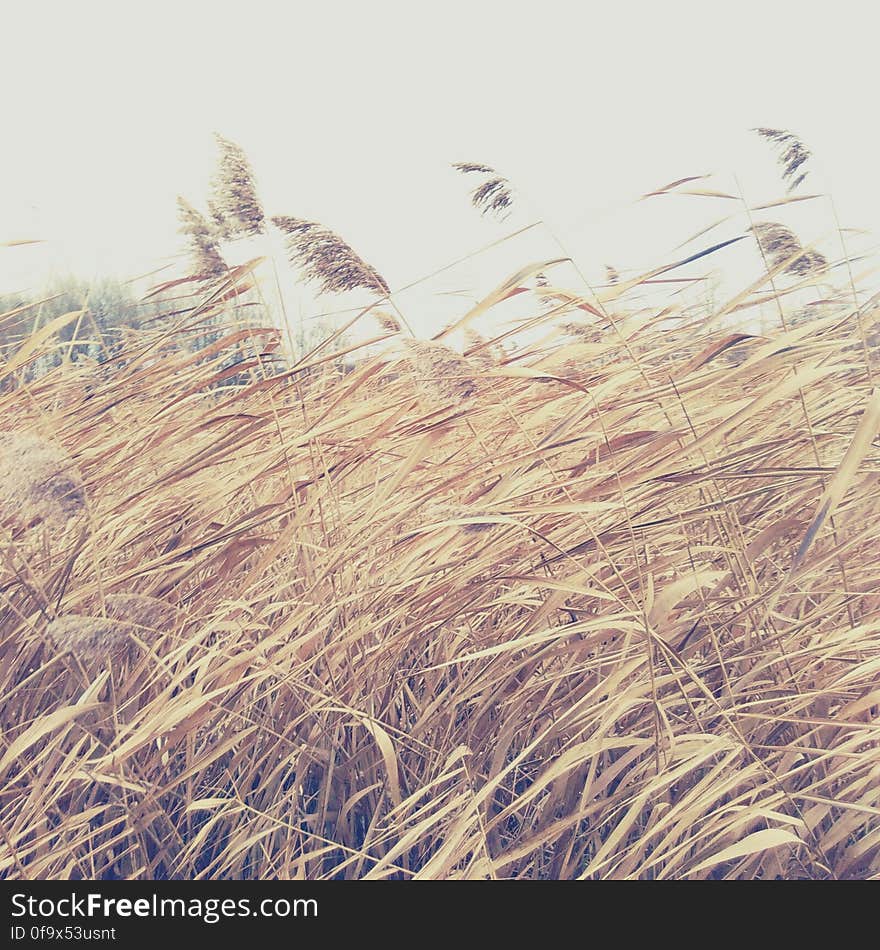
109	307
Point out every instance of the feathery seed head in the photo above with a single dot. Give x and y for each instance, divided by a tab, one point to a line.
469	167
90	639
493	196
451	375
780	244
791	154
326	259
38	481
234	203
582	331
202	235
389	323
128	617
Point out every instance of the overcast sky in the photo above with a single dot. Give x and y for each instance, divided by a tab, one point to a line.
352	112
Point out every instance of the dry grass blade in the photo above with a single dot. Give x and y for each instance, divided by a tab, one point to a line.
25	353
861	443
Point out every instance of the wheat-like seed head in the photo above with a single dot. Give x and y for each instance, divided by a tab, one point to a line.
326	259
542	284
476	527
474	520
810	263
467	168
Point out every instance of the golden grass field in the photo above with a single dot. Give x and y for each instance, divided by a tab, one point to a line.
607	608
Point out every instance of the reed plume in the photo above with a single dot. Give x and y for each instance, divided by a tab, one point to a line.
449	375
38	482
202	235
127	617
234	203
584	332
388	322
325	258
791	154
780	244
495	194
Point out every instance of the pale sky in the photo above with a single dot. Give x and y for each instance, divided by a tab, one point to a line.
352	112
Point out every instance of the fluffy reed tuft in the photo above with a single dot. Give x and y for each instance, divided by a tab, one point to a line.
38	481
480	350
95	639
780	244
234	203
202	234
791	154
326	259
450	375
388	322
494	196
583	331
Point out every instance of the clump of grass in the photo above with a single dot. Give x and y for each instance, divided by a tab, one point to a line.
539	617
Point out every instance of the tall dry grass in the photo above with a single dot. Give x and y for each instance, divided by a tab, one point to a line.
608	607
